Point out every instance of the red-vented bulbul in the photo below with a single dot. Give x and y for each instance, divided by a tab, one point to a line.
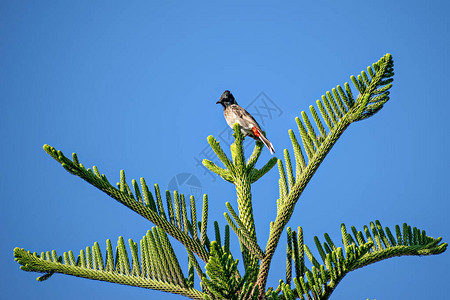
235	114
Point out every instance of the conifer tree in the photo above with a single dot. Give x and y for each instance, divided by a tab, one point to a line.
151	263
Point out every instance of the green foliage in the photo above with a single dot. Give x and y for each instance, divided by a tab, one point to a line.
153	262
359	250
242	174
178	225
338	110
158	268
224	281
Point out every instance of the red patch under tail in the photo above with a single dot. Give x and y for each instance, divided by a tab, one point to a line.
256	132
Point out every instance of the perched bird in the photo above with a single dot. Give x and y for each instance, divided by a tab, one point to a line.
235	114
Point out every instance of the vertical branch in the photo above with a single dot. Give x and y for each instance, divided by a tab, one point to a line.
242	183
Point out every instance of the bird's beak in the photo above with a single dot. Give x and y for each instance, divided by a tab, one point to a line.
218	102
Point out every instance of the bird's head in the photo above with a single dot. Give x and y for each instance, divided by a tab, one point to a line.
226	99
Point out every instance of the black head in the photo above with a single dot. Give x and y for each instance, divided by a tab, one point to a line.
226	99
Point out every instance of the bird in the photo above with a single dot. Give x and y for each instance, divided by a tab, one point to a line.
233	113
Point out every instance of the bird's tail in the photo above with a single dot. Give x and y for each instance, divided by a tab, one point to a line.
267	143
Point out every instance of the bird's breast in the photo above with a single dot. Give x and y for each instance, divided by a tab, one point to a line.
231	118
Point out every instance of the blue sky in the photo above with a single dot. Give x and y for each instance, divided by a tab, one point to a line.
133	86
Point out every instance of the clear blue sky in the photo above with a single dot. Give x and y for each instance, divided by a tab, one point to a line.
133	86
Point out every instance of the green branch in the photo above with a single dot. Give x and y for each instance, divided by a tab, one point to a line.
124	196
319	281
242	174
242	233
158	268
338	117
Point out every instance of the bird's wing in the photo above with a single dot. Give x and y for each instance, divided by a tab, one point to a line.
245	115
